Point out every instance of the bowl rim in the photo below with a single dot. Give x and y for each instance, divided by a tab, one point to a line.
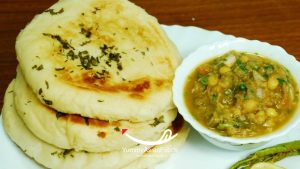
193	60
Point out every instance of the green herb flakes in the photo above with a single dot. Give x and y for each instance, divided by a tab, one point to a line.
47	84
40	91
52	12
281	81
243	87
38	68
241	65
48	102
117	129
157	121
59	114
203	79
86	32
65	44
85	42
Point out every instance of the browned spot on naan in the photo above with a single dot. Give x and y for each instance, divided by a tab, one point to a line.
101	134
136	89
81	120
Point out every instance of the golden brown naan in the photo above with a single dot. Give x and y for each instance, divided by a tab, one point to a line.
57	158
70	131
105	59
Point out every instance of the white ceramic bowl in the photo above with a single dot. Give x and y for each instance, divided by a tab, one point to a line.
204	53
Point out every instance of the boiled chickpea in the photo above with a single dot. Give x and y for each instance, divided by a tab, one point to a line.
252	117
244	58
272	83
271	112
250	105
226	81
269	123
224	69
225	84
260	117
213	80
264	84
237	112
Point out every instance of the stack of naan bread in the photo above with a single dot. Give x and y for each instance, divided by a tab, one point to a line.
87	70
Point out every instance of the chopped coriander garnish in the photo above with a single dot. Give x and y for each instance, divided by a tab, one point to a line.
266	76
119	66
47	84
112	56
101	75
117	129
63	153
85	42
241	65
86	32
214	97
59	114
66	151
72	55
53	153
281	81
95	11
157	121
87	61
203	79
48	102
65	44
40	91
243	87
52	12
269	67
40	67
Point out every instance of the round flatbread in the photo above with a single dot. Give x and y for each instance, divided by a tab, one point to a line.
70	131
105	59
57	158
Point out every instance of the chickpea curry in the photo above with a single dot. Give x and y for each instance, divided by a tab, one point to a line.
241	95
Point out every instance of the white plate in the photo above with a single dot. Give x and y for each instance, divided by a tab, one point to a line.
196	153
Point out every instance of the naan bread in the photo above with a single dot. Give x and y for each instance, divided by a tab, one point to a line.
75	132
105	59
57	158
